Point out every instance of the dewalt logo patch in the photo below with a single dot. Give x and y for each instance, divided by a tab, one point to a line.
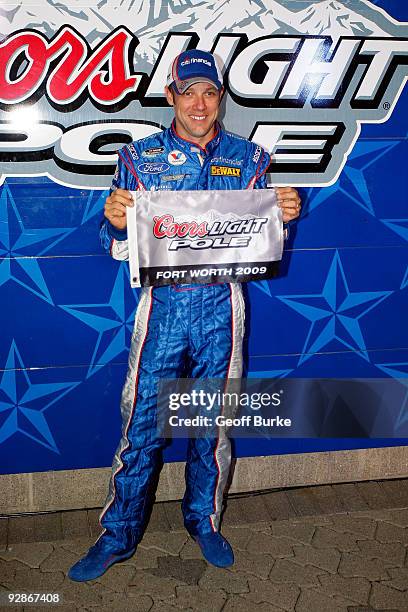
225	171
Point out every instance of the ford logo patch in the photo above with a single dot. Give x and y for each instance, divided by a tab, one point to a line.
153	168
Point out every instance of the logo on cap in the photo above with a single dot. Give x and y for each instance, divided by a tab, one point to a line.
193	66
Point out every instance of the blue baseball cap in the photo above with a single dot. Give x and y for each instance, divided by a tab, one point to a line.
193	66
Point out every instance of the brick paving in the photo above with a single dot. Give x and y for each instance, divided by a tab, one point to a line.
335	547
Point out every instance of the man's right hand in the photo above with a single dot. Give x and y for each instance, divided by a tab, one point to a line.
115	207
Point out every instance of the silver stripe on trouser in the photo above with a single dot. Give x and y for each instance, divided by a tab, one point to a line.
223	450
127	404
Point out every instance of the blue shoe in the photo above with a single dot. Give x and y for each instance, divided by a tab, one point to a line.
215	548
96	562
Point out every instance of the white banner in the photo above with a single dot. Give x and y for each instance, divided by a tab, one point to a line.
203	236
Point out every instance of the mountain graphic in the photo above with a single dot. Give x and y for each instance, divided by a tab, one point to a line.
152	20
332	18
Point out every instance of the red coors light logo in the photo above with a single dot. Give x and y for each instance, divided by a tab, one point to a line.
219	234
27	60
166	227
78	67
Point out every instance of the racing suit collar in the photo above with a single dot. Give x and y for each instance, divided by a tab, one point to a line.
189	145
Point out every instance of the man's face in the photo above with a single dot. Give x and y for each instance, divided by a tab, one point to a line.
196	111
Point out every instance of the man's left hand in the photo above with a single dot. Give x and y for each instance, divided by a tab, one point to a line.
289	201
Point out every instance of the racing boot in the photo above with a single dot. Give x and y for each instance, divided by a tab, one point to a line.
96	562
215	548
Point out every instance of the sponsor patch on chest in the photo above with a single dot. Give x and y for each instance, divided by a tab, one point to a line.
153	168
225	171
176	158
153	152
174	177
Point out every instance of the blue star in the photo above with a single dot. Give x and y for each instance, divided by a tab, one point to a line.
22	402
263	286
112	320
15	239
399	226
399	371
334	313
94	205
352	183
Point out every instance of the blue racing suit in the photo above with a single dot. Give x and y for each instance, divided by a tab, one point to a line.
191	331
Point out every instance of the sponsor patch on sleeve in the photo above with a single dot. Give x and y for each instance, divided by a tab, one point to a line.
132	151
225	171
257	154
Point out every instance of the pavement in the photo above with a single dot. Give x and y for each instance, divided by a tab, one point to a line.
334	548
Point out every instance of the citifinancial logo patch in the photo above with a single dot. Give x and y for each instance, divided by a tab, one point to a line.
225	171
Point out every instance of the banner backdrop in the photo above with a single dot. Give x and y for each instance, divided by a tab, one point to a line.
203	236
301	79
320	84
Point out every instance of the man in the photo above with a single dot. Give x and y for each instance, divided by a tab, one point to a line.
180	330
